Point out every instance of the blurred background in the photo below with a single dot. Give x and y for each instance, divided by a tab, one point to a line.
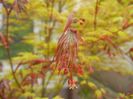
106	27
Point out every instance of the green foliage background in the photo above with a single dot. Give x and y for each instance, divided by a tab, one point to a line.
52	15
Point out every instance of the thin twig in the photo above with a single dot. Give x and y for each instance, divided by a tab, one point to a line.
50	31
9	53
8	12
95	15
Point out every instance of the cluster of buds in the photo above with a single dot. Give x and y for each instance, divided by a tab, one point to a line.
67	51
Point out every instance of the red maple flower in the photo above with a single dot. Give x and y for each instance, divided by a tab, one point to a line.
71	83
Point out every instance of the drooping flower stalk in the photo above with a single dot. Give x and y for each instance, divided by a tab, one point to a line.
67	50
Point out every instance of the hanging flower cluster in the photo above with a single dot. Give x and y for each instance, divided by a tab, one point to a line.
66	52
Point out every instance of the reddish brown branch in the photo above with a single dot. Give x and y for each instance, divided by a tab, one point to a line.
95	14
8	12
